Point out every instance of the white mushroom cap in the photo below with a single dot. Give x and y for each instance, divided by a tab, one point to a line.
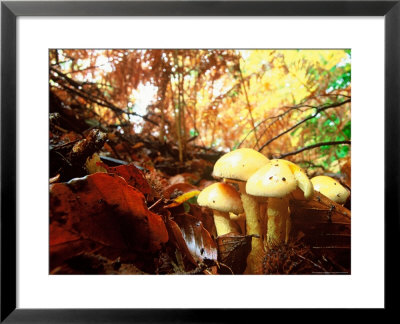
222	197
330	188
239	164
272	180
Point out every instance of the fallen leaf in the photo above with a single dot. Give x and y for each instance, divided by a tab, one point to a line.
105	209
137	145
179	188
184	178
192	238
204	183
319	209
326	226
133	176
92	263
64	244
205	215
233	250
183	198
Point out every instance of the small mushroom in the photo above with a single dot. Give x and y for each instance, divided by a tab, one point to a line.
277	180
330	188
238	166
222	198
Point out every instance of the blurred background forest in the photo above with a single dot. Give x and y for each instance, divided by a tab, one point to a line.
202	103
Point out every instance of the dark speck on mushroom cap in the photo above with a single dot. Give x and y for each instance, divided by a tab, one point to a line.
330	188
275	179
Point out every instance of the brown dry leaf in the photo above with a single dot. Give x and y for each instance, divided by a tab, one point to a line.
92	263
319	209
137	145
93	142
184	178
192	238
65	244
346	170
177	239
108	148
205	183
70	137
105	209
205	215
233	250
178	188
133	176
326	226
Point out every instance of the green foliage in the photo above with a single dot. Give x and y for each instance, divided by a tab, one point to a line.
347	130
193	132
343	79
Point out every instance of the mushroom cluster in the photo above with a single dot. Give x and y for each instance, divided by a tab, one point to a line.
260	181
238	166
276	181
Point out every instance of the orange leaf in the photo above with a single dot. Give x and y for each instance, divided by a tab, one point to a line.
133	176
105	209
178	187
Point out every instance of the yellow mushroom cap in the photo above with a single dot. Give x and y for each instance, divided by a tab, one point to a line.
302	179
275	180
222	197
330	188
239	164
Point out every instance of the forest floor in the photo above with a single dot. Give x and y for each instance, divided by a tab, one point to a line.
126	204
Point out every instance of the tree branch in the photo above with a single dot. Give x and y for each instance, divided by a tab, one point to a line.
289	109
320	109
83	94
313	146
247	101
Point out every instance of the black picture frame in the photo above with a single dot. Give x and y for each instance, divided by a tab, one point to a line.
9	13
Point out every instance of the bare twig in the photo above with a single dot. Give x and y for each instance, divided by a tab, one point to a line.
247	101
289	109
59	76
313	146
277	117
319	110
312	262
310	164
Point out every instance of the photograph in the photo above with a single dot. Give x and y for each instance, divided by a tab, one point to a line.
175	161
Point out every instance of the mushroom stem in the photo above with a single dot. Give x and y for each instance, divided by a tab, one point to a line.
223	223
252	209
278	221
264	221
240	221
288	226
